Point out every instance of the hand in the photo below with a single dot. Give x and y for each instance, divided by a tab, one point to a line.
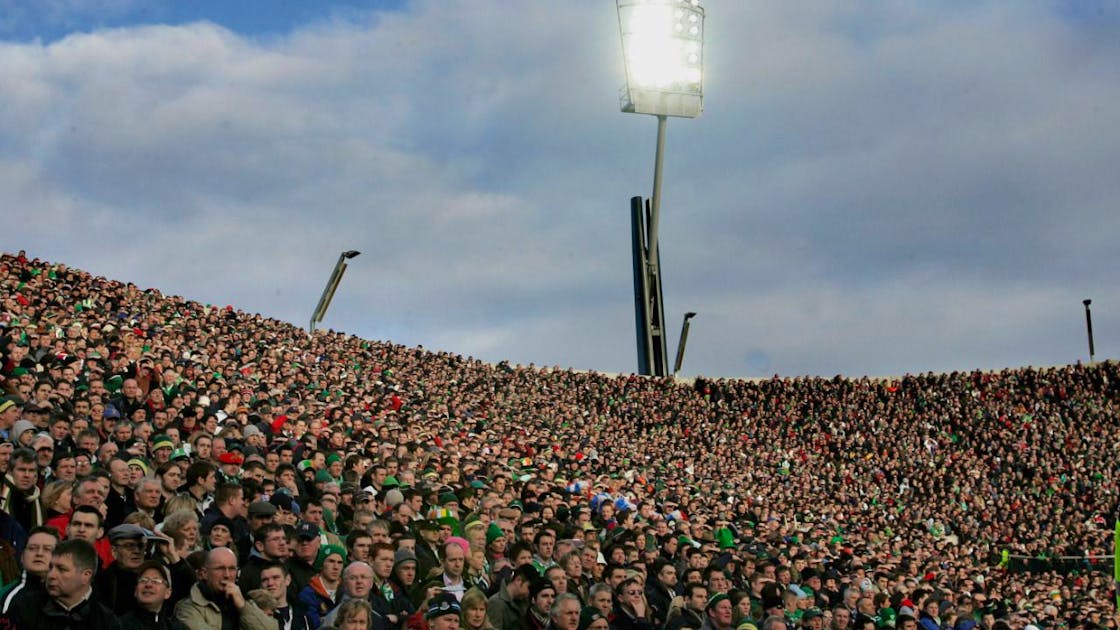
166	548
234	593
678	602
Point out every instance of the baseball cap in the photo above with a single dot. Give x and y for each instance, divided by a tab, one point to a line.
306	531
284	501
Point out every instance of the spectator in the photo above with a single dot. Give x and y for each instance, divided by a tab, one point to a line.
510	604
443	612
216	601
270	545
322	593
355	614
565	612
290	615
473	611
19	496
357	583
67	603
36	563
151	610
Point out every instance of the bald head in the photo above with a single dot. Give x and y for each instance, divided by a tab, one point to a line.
220	569
357	579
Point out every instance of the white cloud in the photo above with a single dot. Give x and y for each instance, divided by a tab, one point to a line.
871	190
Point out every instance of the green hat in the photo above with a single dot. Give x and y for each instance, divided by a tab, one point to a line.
725	538
162	441
304	465
453	523
493	532
333	457
715	599
448	497
327	550
323	476
390	482
114	382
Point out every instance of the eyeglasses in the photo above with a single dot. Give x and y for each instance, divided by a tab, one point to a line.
151	581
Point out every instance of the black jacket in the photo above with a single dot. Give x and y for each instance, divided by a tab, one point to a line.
659	599
144	620
41	611
116	587
294	614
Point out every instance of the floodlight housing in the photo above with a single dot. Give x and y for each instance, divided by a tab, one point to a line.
663	49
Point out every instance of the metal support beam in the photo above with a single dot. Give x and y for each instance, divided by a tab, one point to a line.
328	291
683	341
1089	329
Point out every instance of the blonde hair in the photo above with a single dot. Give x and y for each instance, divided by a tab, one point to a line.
52	491
141	519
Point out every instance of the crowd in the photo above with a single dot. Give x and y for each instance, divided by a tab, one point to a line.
169	464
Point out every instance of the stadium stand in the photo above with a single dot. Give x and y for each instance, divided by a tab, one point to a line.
941	500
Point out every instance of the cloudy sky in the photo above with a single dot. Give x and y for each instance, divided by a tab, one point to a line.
873	188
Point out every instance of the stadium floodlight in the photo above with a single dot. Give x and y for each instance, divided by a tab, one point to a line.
663	51
663	48
1089	331
332	286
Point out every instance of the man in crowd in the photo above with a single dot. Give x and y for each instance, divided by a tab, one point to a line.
270	545
443	612
19	494
215	601
565	612
719	612
509	605
67	603
358	582
691	614
36	562
86	524
302	563
289	614
153	590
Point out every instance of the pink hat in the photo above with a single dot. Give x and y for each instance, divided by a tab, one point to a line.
462	542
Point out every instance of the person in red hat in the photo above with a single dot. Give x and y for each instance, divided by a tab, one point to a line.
231	465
